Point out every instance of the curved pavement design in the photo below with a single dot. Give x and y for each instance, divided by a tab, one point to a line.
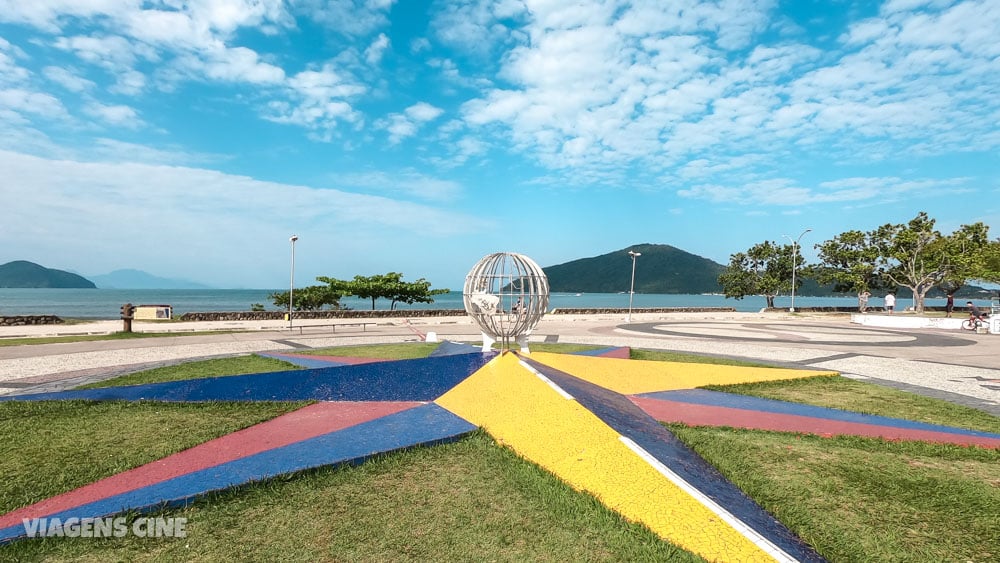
592	419
805	333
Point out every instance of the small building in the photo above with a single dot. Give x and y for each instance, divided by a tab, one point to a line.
153	312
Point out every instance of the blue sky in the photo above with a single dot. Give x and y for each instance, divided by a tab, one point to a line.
191	139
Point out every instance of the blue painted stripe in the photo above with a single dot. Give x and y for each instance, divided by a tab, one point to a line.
731	400
422	379
420	426
630	421
310	363
448	348
598	352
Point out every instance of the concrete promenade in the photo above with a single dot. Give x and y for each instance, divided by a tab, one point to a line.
959	366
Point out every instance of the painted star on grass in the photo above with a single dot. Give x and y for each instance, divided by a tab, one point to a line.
592	419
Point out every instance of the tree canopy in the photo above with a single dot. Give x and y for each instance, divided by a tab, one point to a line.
913	255
392	287
765	269
849	261
384	286
310	298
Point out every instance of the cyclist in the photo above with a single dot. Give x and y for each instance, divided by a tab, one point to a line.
974	312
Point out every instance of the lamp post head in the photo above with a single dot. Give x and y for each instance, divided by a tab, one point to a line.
294	238
633	253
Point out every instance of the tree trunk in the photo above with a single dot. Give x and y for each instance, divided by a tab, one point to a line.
918	300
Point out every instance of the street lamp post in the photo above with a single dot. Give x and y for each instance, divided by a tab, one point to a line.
795	247
631	287
291	287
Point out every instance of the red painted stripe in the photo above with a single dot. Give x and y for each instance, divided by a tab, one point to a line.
623	353
706	415
308	422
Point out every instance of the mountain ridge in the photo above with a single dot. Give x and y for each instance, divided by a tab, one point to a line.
661	269
24	274
129	278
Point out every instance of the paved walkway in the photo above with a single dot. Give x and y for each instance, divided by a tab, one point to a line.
960	367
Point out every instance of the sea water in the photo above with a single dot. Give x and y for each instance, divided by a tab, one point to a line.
106	303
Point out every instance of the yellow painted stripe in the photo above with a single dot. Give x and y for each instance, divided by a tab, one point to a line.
630	377
525	413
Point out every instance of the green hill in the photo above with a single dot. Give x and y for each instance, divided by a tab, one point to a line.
22	273
661	269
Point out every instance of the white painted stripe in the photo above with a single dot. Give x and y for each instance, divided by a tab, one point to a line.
547	381
760	541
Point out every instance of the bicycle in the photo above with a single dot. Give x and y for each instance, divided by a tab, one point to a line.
974	322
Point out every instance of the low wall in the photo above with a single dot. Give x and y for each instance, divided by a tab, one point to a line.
22	320
906	321
853	309
619	310
409	313
349	314
911	321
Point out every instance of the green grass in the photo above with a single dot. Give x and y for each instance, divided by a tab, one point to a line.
859	499
857	396
665	356
854	499
405	351
466	501
110	336
192	370
51	447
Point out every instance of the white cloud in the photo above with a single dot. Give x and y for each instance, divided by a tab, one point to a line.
615	85
785	192
374	52
11	73
321	100
406	124
120	115
350	17
237	64
113	150
213	227
408	183
50	14
476	26
422	111
419	45
68	79
32	103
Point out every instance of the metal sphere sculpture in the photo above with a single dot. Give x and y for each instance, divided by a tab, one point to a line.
506	294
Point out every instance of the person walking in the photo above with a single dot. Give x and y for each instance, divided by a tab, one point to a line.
863	301
949	305
890	302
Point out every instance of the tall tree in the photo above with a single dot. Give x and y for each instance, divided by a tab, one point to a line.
765	269
918	257
310	298
991	262
392	287
850	261
969	250
414	292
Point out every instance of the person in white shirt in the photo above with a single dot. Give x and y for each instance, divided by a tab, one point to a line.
890	302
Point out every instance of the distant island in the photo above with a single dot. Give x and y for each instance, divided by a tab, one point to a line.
137	279
24	274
